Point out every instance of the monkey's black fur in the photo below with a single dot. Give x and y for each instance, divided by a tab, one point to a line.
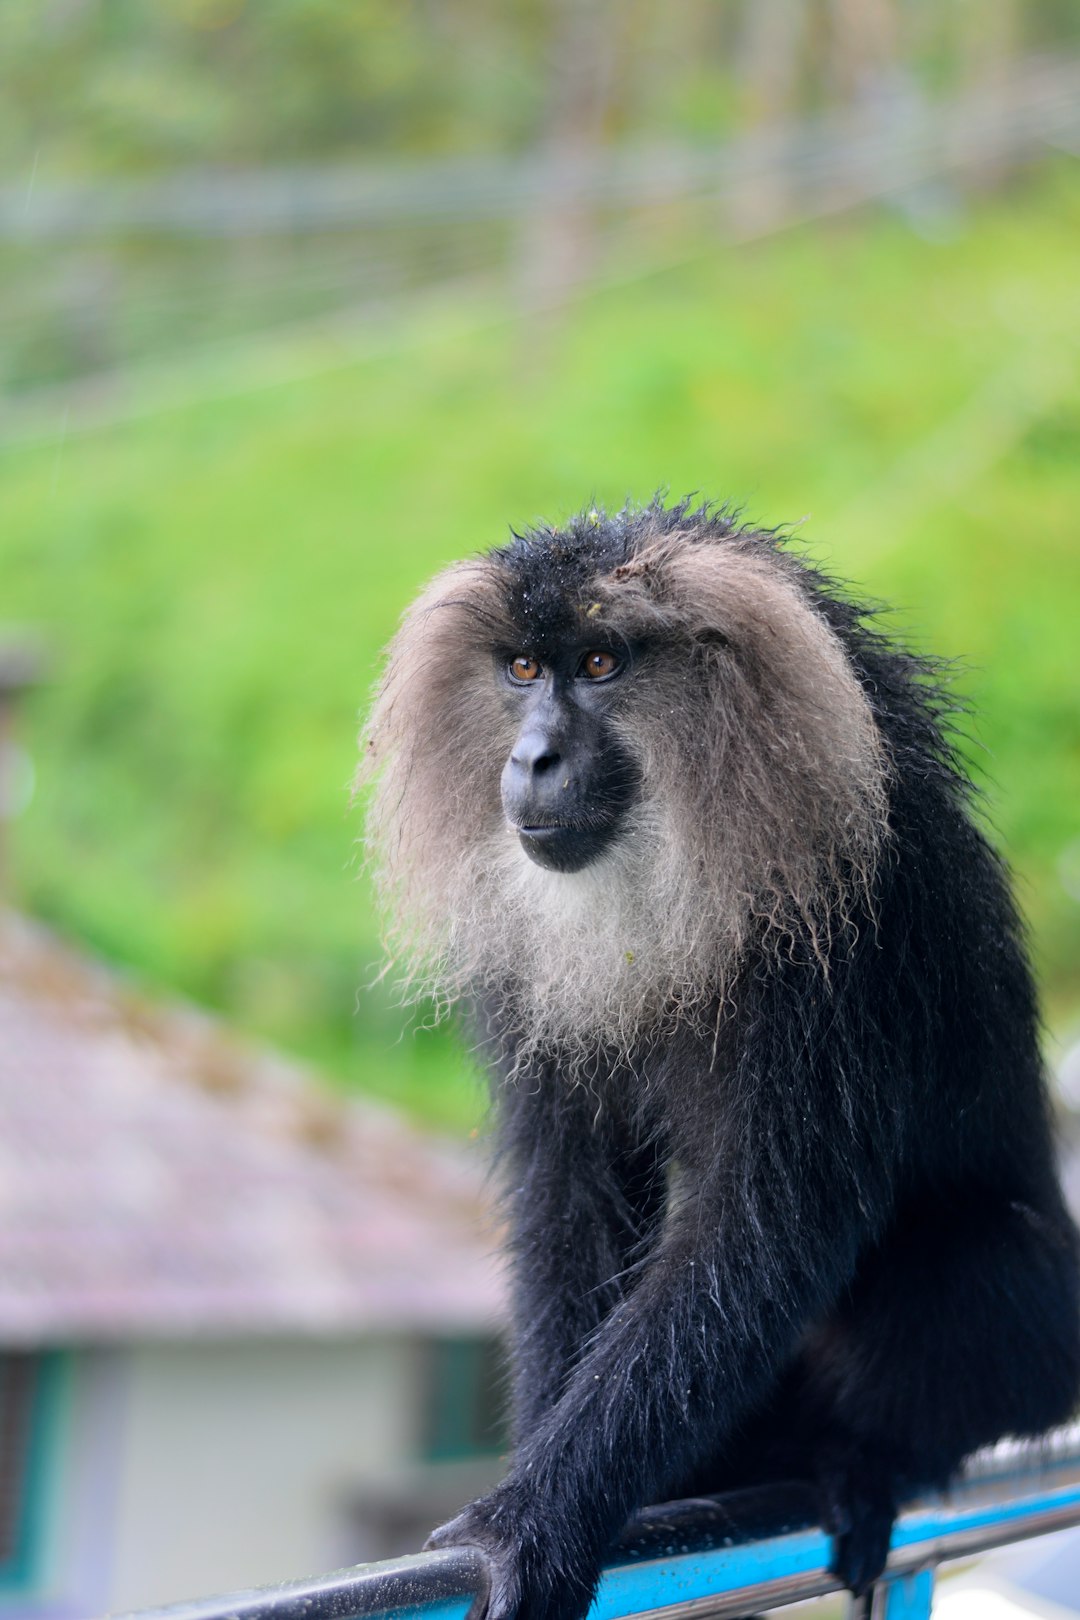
819	1236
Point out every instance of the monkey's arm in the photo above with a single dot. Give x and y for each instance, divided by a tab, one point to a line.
782	1195
580	1204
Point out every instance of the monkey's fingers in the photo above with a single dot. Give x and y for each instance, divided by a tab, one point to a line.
857	1506
860	1551
859	1556
529	1575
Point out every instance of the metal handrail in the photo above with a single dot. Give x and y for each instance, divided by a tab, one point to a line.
714	1557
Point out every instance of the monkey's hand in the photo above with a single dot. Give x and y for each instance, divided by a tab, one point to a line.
539	1570
857	1505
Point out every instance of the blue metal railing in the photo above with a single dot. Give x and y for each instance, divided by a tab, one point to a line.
714	1557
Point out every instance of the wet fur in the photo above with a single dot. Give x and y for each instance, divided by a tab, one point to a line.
803	1218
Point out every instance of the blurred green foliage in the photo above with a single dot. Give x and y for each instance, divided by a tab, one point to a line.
216	580
123	87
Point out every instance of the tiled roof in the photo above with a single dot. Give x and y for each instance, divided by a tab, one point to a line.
158	1178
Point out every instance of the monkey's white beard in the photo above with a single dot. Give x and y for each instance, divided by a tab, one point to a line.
588	959
653	930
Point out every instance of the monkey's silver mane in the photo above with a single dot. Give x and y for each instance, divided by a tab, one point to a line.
763	805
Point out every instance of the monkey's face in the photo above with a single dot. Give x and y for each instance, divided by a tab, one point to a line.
568	782
605	759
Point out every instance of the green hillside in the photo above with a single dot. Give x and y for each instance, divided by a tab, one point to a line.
215	580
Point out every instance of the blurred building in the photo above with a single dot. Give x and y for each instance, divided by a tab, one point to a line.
246	1331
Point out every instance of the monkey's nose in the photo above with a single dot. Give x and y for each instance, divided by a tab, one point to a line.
535	754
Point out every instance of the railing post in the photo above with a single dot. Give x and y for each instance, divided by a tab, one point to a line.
898	1597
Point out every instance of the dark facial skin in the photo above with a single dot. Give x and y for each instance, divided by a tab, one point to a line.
568	781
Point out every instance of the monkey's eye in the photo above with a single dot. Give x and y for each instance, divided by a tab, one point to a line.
523	669
597	666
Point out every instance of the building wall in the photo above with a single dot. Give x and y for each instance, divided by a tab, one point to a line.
236	1461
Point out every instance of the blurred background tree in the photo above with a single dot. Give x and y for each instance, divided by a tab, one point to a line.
303	298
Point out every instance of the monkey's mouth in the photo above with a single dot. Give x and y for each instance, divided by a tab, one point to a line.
564	846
